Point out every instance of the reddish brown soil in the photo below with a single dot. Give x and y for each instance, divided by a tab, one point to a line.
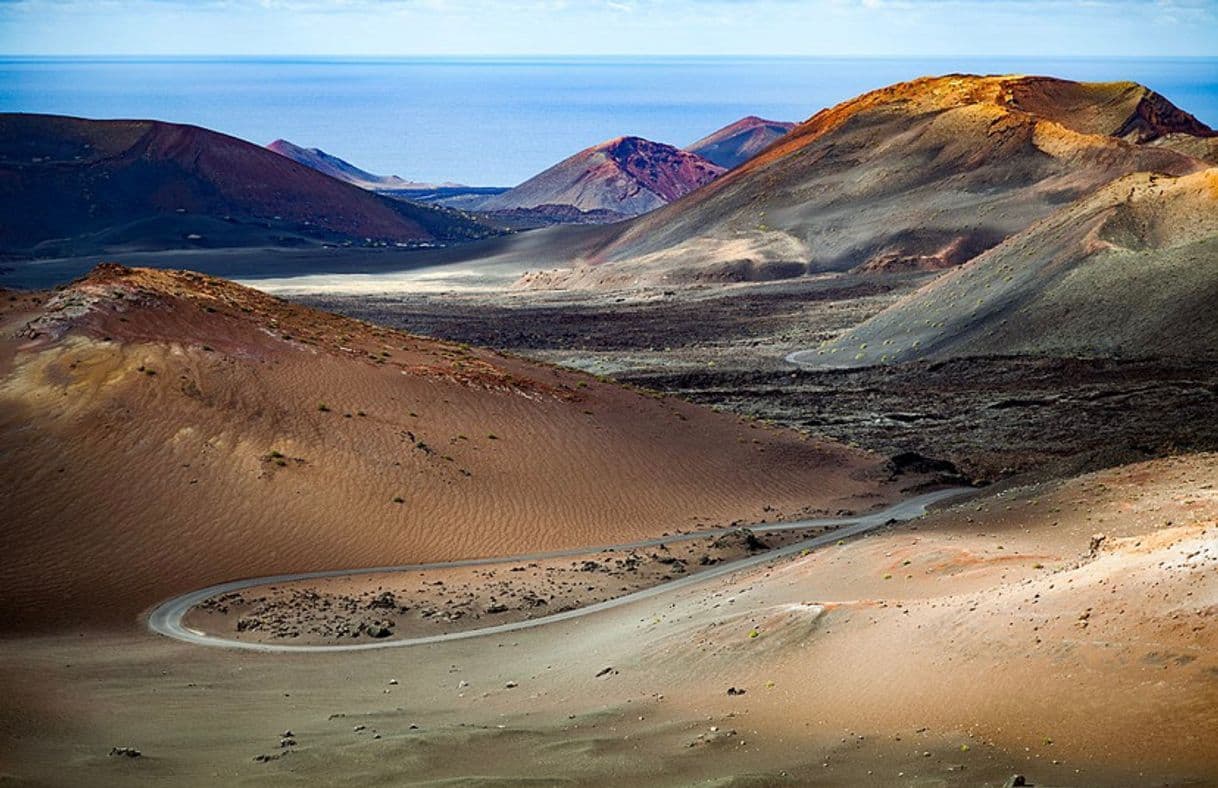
163	431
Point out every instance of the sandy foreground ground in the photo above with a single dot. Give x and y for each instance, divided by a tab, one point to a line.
1065	631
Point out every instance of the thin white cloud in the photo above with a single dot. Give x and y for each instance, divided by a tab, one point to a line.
811	27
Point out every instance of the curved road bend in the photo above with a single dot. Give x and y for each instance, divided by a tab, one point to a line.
166	618
810	359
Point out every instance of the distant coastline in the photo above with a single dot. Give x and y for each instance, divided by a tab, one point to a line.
494	121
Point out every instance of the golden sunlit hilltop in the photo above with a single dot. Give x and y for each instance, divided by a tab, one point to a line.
920	175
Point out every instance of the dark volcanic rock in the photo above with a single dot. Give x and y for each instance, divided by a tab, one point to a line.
379	629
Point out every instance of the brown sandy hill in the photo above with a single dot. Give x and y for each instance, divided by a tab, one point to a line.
738	142
1127	272
627	175
73	186
160	431
920	175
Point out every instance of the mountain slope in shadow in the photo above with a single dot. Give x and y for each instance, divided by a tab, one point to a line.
1127	272
70	186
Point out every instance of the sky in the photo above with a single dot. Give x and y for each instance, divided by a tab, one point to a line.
919	28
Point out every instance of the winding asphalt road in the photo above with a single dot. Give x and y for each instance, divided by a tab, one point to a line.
166	618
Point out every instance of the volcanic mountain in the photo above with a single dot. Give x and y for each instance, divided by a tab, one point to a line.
1204	148
317	159
73	186
1126	272
735	144
627	175
920	175
163	430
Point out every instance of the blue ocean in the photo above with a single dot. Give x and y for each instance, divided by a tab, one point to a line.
496	121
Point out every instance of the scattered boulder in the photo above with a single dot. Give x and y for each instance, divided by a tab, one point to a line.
735	691
715	735
383	601
742	537
751	541
268	757
125	752
379	629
